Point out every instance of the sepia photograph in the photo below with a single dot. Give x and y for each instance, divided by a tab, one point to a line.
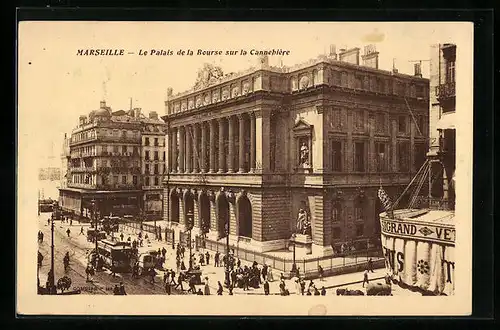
265	161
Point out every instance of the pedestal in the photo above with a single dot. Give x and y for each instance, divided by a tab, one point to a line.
303	244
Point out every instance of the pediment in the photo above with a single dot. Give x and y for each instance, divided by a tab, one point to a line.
302	125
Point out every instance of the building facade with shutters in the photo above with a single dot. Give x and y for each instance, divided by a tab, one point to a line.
247	151
106	165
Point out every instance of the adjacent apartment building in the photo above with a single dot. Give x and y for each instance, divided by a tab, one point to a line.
106	164
247	151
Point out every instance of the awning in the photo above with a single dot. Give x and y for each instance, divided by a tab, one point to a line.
447	121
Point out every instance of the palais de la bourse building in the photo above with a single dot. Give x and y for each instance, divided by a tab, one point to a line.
255	147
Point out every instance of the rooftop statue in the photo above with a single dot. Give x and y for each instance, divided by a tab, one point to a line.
208	75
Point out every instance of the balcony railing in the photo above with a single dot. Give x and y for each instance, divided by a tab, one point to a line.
435	203
118	186
446	90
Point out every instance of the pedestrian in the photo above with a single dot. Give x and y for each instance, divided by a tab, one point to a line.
192	288
168	288
68	232
122	289
164	252
121	236
116	290
81	231
152	273
266	288
238	263
230	289
220	289
207	257
216	259
270	276
365	278
316	292
264	272
308	293
71	222
370	265
165	277
320	271
48	221
311	285
199	293
323	291
302	286
180	278
172	273
207	288
282	277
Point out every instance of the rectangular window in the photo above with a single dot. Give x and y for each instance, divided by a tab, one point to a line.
380	123
450	71
420	154
359	214
156	169
156	155
336	156
124	149
359	156
420	91
402	124
115	178
146	156
146	181
421	125
164	156
124	179
135	151
336	233
134	180
359	230
336	211
146	141
147	169
157	181
404	156
381	157
115	149
156	142
358	82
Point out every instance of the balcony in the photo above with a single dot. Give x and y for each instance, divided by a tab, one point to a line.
89	169
445	91
435	203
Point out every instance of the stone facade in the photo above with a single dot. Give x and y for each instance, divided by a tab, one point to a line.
322	136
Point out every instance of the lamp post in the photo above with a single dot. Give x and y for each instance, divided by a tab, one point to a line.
51	279
294	271
190	217
227	280
96	233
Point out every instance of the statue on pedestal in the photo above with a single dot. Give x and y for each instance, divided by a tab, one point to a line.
303	223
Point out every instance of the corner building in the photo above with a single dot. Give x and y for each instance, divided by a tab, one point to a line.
250	149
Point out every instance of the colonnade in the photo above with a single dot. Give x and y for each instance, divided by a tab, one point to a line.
222	145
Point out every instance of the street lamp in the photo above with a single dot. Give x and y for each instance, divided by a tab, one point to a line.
51	279
294	271
96	233
190	217
227	281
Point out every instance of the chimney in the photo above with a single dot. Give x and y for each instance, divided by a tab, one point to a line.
349	56
370	57
82	120
103	105
333	52
418	70
153	115
263	62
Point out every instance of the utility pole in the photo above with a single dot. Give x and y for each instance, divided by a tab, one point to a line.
52	289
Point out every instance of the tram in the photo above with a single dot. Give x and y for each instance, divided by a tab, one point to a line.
118	257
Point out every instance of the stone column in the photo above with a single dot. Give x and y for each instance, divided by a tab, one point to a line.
252	142
350	150
196	153
174	150
189	148
231	124
182	145
262	141
241	154
212	146
221	146
372	155
203	147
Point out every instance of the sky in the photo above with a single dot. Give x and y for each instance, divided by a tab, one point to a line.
55	85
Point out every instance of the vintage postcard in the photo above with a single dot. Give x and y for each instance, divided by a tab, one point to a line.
251	163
